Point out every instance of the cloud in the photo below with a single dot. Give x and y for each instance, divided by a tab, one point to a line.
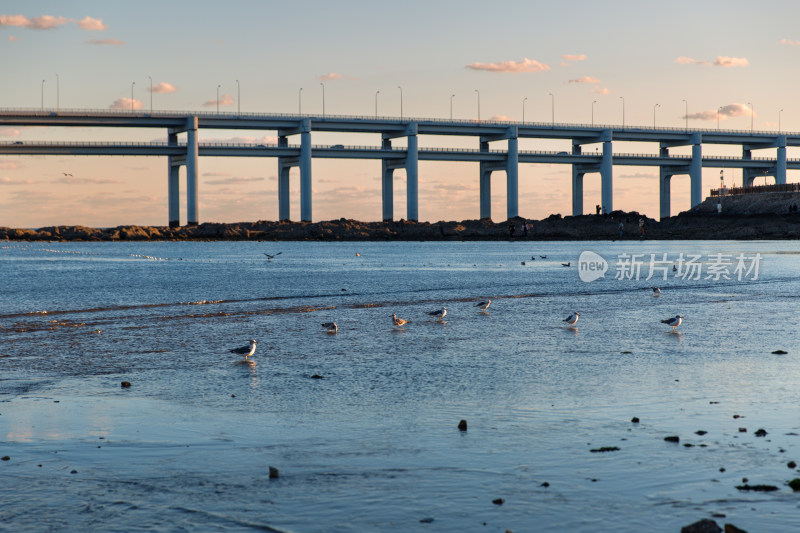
333	76
585	79
163	87
789	42
225	100
10	132
9	165
115	42
12	38
723	61
526	65
574	57
234	179
242	139
70	180
720	61
727	111
598	90
90	24
501	118
10	181
124	104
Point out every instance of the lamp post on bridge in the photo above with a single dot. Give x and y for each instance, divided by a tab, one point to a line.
479	104
718	111
218	86
151	94
752	112
300	101
238	98
686	115
623	110
401	101
552	108
779	120
593	102
523	108
451	106
132	84
654	115
323	99
58	93
376	103
42	95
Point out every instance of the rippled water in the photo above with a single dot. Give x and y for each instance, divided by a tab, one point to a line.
373	445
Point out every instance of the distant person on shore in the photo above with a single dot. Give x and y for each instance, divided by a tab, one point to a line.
620	229
597	209
511	229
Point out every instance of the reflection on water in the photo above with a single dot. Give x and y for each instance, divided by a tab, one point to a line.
362	423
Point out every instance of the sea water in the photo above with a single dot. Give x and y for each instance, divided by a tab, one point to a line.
362	424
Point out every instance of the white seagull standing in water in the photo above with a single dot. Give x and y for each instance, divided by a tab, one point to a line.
331	327
398	322
439	314
674	321
656	292
484	305
246	351
572	319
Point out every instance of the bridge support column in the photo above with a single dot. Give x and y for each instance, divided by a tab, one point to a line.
412	175
748	174
305	173
387	185
780	164
485	185
606	176
664	182
173	184
192	217
696	171
512	177
577	190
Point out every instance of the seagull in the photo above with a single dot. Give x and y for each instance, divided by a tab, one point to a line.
246	351
656	292
439	314
523	263
564	264
572	319
271	257
543	256
484	305
533	258
674	321
674	268
67	174
331	327
398	322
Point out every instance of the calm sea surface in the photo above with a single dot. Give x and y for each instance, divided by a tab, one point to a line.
373	444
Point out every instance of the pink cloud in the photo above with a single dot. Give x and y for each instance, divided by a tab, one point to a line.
501	118
234	179
225	100
598	90
683	60
333	76
10	132
124	104
14	20
585	79
9	181
90	24
46	22
115	42
789	42
573	57
723	61
12	38
69	180
9	165
526	65
727	111
163	87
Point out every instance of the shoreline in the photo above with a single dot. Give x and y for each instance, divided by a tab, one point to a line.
685	226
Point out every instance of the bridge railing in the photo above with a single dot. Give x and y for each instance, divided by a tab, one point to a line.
780	187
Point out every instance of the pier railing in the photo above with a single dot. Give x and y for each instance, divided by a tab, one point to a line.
782	187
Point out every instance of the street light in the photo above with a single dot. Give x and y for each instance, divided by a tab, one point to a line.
654	115
300	101
58	93
523	108
553	108
401	101
451	106
686	116
151	94
238	98
42	95
479	104
218	86
593	102
718	110
376	103
779	120
323	99
623	111
132	84
752	112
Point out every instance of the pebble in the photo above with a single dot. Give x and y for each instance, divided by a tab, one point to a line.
700	432
125	384
672	438
424	520
742	430
498	501
273	473
760	433
635	420
706	525
780	352
5	458
791	464
795	484
462	426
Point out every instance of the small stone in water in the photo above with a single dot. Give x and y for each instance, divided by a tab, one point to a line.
742	430
672	438
760	433
635	420
700	432
795	484
5	458
273	473
545	484
780	352
791	464
706	525
499	501
125	384
462	426
424	520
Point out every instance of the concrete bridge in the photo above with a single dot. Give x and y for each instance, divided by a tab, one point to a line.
392	157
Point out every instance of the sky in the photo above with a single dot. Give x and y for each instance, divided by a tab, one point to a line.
654	60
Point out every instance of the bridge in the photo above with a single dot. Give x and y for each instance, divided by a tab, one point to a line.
186	153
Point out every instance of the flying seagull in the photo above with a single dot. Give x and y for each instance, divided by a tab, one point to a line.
67	174
331	327
398	322
572	319
439	313
484	305
271	257
246	351
656	291
674	321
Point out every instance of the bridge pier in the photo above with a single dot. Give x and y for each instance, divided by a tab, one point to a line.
173	183
411	165
607	175
305	174
387	184
412	175
664	191
696	171
304	163
511	168
512	177
780	163
192	217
